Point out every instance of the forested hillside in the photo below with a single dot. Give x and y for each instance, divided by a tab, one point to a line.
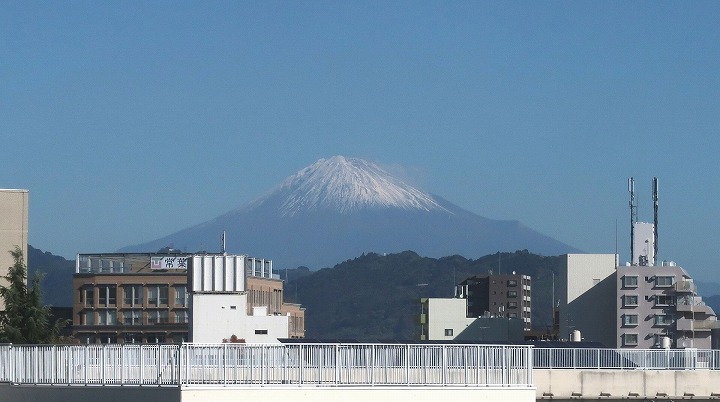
57	274
376	297
371	297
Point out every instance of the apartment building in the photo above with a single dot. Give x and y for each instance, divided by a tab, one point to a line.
507	295
144	298
658	307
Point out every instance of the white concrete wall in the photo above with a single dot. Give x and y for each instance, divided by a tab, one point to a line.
217	273
643	242
616	384
586	291
353	394
447	314
214	317
584	270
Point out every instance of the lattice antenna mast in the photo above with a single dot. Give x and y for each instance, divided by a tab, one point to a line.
655	208
633	216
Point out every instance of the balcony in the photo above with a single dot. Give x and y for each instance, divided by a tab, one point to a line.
685	286
688	324
692	304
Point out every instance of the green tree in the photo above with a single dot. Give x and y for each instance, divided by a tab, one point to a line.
25	320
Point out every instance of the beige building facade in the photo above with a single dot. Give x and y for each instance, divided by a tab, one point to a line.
13	228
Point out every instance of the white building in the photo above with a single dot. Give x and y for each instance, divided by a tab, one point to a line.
446	319
218	301
584	294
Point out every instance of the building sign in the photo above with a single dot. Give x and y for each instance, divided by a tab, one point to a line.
168	262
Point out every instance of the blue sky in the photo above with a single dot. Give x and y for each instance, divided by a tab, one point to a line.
130	120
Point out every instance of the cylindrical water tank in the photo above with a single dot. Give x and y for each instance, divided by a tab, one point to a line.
665	342
575	336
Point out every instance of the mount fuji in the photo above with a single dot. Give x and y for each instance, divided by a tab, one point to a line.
340	208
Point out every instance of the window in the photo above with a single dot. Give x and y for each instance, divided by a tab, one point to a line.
107	317
157	317
152	295
663	319
109	339
132	317
156	338
512	304
261	332
630	281
181	317
448	332
132	295
163	290
157	295
630	300
663	300
630	319
512	293
180	295
512	282
107	295
89	296
132	338
89	318
512	315
663	281
630	339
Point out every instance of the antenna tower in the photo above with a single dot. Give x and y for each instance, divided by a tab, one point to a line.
633	215
655	208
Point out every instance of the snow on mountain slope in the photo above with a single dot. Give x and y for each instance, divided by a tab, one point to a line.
339	208
348	185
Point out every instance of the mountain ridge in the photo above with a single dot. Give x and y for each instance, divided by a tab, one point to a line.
338	208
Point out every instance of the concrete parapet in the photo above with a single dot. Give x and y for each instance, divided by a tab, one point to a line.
626	384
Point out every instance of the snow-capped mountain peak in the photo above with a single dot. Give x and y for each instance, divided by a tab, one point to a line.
347	185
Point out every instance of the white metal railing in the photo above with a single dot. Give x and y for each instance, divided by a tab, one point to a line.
638	359
269	364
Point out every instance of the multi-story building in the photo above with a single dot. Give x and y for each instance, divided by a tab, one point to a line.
485	307
144	298
507	295
13	228
658	306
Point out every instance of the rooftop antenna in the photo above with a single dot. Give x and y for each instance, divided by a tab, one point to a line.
222	244
633	215
655	208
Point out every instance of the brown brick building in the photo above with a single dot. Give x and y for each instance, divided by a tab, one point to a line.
143	298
